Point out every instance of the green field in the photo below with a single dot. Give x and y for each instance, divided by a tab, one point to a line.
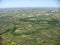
30	26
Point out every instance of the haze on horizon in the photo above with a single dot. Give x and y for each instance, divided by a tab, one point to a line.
29	3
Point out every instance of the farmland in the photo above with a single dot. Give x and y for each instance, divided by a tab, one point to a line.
30	26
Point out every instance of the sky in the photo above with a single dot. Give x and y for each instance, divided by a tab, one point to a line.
29	3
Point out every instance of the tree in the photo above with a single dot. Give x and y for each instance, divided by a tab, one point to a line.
1	40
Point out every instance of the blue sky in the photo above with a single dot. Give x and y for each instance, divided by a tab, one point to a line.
28	3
